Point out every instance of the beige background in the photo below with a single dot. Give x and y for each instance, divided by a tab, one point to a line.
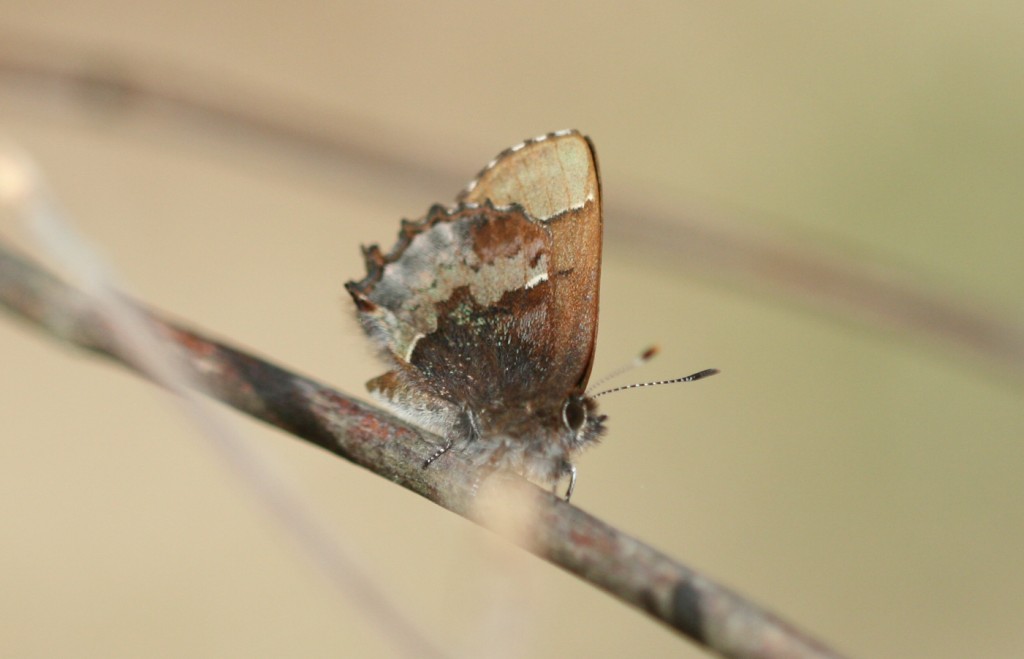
862	482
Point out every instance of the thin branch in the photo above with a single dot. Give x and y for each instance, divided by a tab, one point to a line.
637	574
863	291
143	343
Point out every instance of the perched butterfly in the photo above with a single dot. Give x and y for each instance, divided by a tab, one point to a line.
487	312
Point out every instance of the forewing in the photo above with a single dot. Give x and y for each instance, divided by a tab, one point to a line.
555	180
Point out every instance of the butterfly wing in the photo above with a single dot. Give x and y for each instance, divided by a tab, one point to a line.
493	303
555	180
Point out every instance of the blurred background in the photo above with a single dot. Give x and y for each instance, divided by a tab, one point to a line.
823	201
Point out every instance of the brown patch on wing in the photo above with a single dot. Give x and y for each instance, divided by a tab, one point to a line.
508	236
576	238
492	356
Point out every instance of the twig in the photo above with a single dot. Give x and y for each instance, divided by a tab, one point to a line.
143	343
679	597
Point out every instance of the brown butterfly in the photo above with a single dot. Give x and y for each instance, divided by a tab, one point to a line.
487	312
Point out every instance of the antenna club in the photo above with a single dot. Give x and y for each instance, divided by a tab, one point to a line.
705	373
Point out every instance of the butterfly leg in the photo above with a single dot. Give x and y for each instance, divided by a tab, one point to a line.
472	431
438	453
571	470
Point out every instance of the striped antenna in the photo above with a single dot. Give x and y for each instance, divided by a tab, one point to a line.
689	378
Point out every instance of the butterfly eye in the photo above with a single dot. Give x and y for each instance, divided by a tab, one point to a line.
574	413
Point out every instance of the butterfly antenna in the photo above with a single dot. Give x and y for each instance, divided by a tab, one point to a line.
641	359
689	378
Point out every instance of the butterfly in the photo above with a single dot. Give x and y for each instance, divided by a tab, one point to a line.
487	312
